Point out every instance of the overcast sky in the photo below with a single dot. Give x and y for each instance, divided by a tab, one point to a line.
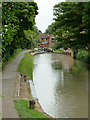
45	16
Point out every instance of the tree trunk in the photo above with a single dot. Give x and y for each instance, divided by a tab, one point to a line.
31	104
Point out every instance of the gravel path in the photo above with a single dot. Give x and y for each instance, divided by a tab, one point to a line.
8	81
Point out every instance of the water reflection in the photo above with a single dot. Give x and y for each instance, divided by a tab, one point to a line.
61	85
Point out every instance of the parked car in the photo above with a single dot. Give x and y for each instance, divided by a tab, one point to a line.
39	48
49	50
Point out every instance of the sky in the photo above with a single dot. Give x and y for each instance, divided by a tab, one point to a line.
45	16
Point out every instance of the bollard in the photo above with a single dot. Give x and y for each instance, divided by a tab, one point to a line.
31	104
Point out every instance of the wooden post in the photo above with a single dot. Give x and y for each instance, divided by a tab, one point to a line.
21	74
25	78
31	104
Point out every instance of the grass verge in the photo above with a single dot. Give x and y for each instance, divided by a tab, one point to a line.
22	106
38	51
26	65
60	51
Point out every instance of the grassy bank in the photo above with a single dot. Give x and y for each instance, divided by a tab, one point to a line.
12	57
38	51
22	106
26	65
60	51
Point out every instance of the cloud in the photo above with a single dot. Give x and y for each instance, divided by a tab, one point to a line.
45	16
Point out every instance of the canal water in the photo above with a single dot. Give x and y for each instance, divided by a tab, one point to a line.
61	85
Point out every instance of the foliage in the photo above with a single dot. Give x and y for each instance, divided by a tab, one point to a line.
57	45
26	65
16	52
31	37
16	17
83	55
51	29
72	21
71	25
25	112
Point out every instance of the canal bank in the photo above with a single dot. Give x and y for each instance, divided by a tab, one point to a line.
23	96
27	87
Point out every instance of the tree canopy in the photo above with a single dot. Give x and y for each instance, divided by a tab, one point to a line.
72	21
17	17
71	25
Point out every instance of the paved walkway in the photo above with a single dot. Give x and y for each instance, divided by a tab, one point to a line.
8	82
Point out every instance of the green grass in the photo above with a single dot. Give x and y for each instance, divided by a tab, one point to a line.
22	106
12	57
60	51
38	51
26	65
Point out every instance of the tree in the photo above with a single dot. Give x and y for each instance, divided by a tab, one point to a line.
72	22
16	17
31	37
51	29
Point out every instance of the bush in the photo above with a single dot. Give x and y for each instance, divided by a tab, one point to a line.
56	45
82	55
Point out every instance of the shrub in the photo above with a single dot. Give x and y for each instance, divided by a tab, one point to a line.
56	45
83	55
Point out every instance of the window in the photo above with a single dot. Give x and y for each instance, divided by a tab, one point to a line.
42	38
52	38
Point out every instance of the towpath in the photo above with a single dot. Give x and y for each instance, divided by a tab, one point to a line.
8	82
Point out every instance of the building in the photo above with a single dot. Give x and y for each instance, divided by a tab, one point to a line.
69	52
46	40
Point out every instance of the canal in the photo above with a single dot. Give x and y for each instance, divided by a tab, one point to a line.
61	85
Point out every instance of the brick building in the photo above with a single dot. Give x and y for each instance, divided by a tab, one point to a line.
47	40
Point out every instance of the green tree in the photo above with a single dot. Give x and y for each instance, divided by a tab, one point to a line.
51	29
31	37
16	18
72	21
